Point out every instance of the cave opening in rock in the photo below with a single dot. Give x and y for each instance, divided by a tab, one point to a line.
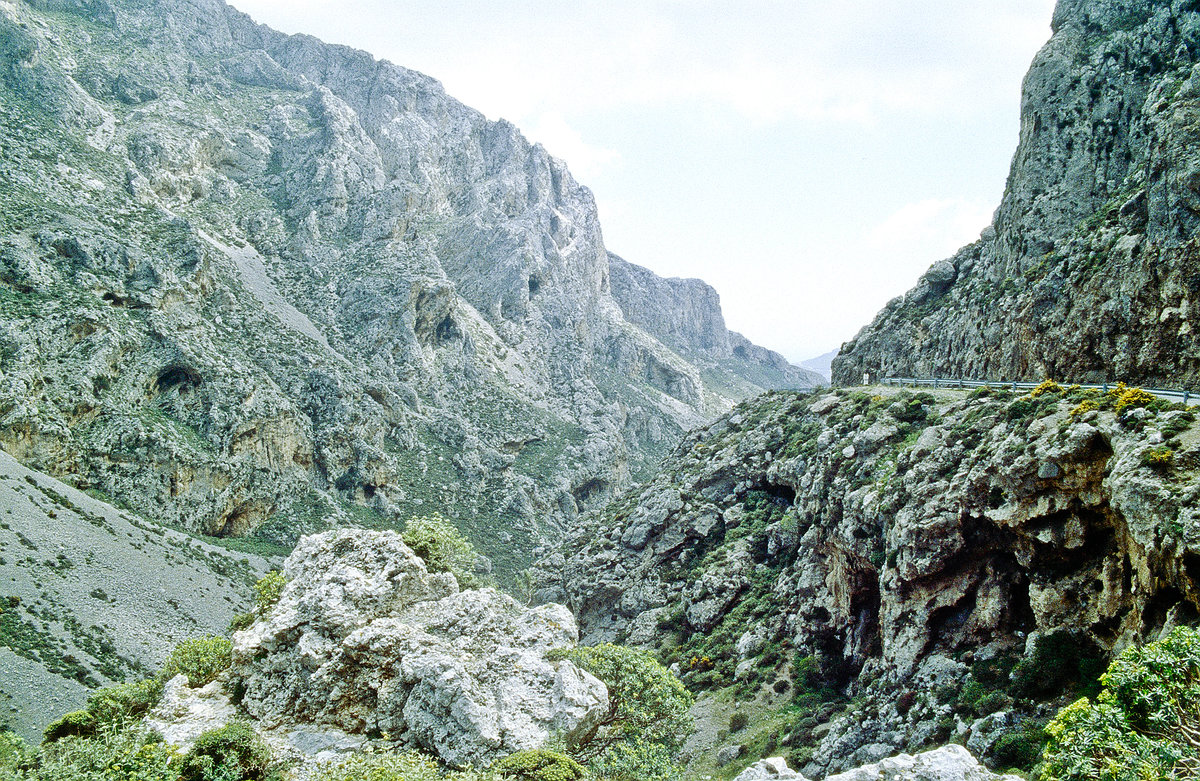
446	330
535	284
782	495
181	379
587	492
1158	608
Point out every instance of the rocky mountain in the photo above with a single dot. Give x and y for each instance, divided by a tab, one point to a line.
685	314
822	364
861	573
252	283
1088	272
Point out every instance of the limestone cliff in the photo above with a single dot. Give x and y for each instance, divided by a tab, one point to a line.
261	284
900	569
685	314
1090	269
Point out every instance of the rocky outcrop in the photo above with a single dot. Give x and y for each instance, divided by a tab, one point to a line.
267	285
1088	273
907	546
949	763
365	640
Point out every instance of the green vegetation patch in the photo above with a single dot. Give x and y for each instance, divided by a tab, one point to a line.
1144	722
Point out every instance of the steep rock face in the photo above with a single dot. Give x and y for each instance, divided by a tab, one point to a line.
364	639
258	282
1089	272
909	545
685	314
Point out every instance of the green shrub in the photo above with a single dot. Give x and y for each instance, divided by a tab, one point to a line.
267	590
1022	408
201	659
539	765
1158	457
241	621
1060	661
442	547
992	702
131	754
113	706
408	766
636	760
231	753
1144	723
806	673
73	724
738	721
1020	747
648	706
117	704
13	752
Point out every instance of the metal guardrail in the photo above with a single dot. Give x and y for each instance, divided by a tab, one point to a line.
1183	396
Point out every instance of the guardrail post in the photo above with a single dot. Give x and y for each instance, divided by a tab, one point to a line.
1187	395
1105	386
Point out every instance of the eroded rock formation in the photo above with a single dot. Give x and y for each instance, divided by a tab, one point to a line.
366	641
907	543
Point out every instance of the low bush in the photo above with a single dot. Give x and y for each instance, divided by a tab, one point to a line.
1083	407
130	754
234	752
539	765
13	752
738	721
409	766
1046	387
74	724
443	548
1021	747
267	590
1060	662
636	760
116	704
201	659
1159	457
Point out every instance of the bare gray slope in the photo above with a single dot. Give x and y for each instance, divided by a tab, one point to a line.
93	595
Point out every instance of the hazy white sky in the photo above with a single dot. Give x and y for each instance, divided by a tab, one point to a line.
808	159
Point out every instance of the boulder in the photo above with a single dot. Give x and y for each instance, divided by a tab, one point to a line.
948	763
364	639
773	768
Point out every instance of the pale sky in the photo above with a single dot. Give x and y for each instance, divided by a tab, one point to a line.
807	159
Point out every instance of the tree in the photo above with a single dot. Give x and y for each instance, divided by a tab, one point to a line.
1145	724
647	713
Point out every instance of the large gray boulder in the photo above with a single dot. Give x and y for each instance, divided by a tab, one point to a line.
948	763
768	769
364	639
